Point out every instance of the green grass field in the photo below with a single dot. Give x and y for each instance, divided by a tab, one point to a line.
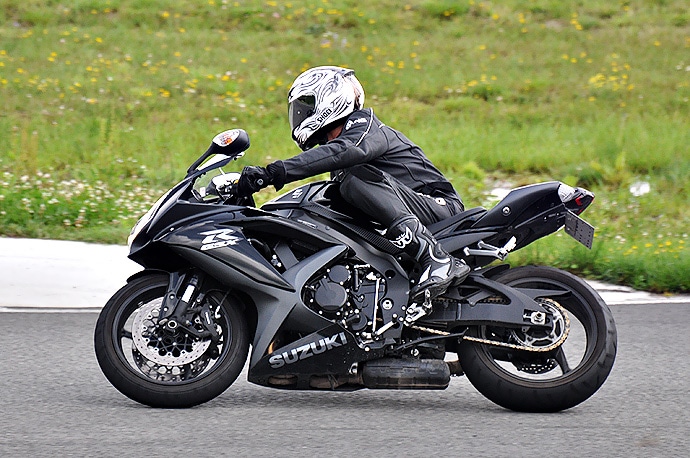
106	102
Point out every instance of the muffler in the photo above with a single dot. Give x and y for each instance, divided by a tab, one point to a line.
406	373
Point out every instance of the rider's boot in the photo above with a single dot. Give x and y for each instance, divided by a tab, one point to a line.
439	269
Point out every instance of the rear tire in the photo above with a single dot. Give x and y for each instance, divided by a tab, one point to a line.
536	382
163	376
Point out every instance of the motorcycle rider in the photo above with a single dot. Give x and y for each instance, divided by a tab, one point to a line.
379	169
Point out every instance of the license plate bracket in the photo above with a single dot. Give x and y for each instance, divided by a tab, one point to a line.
579	229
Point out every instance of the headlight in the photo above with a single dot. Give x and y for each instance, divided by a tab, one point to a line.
146	219
143	221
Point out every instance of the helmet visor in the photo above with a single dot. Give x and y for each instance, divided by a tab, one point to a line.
299	110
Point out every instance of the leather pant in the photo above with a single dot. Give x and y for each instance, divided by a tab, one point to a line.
387	200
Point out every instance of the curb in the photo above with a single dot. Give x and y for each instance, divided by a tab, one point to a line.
59	276
624	295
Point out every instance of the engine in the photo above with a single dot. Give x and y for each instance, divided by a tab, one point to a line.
347	293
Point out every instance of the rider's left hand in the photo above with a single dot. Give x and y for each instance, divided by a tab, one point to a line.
255	178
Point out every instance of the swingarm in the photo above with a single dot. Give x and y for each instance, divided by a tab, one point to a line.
482	301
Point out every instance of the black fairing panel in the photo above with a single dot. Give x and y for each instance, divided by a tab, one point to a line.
330	351
522	204
229	246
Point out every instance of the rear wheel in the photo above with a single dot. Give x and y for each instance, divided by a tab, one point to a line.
575	354
163	367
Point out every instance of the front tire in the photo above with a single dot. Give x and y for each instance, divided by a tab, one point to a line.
168	369
562	378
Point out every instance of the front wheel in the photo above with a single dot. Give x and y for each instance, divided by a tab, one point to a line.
580	347
163	367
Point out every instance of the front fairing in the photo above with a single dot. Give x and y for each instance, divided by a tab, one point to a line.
226	146
222	249
187	199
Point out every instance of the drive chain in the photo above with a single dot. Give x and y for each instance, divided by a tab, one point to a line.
495	343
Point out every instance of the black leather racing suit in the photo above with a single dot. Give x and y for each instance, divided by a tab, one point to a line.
380	171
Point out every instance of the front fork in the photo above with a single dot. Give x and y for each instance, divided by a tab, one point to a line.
183	303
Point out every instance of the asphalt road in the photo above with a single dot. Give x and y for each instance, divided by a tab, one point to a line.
54	401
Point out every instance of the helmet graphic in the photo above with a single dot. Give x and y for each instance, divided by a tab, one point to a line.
319	97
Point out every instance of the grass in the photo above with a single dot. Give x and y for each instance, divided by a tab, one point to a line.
105	103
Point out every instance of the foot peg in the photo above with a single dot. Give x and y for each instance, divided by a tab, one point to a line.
416	311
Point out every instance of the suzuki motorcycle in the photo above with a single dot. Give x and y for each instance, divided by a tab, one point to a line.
320	295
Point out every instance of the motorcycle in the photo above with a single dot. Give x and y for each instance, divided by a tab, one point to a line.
322	297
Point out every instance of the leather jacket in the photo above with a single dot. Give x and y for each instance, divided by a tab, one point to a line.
365	139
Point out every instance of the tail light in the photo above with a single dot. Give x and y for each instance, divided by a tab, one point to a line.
575	199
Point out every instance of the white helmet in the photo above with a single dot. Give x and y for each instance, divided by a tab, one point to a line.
319	97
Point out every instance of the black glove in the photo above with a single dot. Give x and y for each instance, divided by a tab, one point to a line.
255	178
276	171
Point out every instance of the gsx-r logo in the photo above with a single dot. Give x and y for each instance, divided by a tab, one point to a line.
307	350
218	239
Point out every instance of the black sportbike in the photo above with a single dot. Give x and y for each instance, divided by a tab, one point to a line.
322	297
